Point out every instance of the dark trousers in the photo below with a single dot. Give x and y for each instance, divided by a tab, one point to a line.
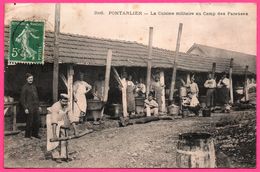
210	97
32	123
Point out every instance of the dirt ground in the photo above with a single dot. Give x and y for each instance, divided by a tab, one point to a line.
150	145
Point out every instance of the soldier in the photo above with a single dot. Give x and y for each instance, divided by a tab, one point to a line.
30	102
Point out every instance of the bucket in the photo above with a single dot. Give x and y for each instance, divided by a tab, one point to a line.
185	113
195	150
173	110
116	111
206	112
94	105
183	91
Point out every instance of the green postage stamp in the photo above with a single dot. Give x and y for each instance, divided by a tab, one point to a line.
26	42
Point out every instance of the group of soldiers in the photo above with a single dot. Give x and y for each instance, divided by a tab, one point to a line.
154	102
58	120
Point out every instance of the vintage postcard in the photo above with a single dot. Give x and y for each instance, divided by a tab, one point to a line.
130	85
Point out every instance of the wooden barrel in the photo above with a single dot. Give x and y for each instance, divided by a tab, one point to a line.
195	150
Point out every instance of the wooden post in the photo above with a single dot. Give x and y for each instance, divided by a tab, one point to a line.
70	73
188	79
124	93
230	81
162	81
55	81
14	119
124	100
175	60
107	75
123	84
213	99
213	70
245	84
149	61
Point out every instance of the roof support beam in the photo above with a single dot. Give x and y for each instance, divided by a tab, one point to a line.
175	60
107	74
213	70
230	81
162	81
245	84
55	82
149	61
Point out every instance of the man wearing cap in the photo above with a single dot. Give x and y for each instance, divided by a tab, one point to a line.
30	102
150	106
223	86
58	123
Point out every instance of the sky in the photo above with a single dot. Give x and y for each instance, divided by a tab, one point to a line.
231	32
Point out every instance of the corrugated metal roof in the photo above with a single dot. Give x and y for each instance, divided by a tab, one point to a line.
87	50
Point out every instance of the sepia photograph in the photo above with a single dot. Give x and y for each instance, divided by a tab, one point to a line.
130	85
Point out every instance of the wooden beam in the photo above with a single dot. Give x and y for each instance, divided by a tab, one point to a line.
149	62
70	73
55	81
14	119
230	81
107	75
72	137
162	81
188	79
175	61
117	77
213	69
123	84
8	133
124	99
245	83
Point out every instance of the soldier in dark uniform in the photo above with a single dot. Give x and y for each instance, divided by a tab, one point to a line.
30	102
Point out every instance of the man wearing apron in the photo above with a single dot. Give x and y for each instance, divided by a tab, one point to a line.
157	88
80	89
58	124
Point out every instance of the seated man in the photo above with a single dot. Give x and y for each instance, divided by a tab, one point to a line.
140	88
150	106
58	123
192	103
